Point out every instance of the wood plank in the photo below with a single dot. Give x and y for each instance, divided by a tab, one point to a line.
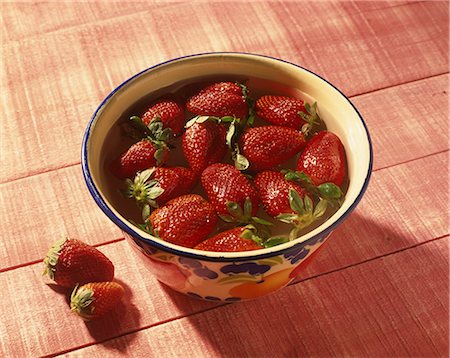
380	227
97	57
407	121
41	209
375	309
17	16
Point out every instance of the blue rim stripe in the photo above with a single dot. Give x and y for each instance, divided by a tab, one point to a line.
102	204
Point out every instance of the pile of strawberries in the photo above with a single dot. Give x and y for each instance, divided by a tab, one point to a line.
85	270
235	147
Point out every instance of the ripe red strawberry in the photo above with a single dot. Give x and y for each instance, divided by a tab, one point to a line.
141	155
70	262
185	220
273	190
230	192
94	299
230	240
170	110
204	144
281	110
156	186
219	99
268	146
323	159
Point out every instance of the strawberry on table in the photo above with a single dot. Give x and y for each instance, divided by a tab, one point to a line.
71	261
185	220
268	146
93	300
204	144
230	192
236	239
323	159
170	110
220	99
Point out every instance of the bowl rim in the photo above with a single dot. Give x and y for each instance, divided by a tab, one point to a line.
203	255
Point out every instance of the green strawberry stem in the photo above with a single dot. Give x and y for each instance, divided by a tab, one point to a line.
81	300
242	216
51	259
311	117
251	233
304	212
326	191
144	191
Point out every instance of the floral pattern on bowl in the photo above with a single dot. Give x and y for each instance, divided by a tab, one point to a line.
226	281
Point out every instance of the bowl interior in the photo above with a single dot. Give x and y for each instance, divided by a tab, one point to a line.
335	109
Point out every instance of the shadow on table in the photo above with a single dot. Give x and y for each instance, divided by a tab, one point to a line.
267	323
105	329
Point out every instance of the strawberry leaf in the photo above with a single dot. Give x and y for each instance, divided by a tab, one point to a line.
241	162
329	191
230	133
320	208
235	210
287	218
227	218
260	221
275	240
296	202
247	207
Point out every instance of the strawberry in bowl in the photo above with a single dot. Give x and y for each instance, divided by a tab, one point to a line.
243	175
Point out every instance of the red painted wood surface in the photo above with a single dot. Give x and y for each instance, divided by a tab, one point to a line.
380	285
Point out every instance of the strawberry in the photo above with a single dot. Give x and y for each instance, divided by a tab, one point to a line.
70	262
158	185
220	99
288	112
170	111
94	299
323	159
273	190
230	192
185	220
141	155
237	239
268	146
204	144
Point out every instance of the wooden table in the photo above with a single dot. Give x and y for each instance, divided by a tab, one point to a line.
380	285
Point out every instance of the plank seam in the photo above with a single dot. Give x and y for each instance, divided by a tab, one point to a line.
224	304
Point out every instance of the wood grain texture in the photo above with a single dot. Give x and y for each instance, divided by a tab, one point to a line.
378	287
53	81
346	313
407	121
378	227
17	17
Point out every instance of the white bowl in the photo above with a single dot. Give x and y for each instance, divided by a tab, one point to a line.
218	276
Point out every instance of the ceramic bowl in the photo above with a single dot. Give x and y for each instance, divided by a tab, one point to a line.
226	276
